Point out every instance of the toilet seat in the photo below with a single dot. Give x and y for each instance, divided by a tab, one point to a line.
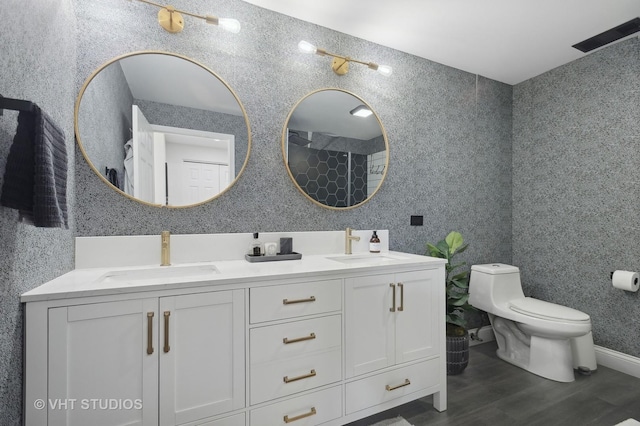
549	311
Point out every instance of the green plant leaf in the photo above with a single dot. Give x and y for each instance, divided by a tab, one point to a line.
461	301
444	249
463	248
435	252
454	241
460	275
457	265
460	283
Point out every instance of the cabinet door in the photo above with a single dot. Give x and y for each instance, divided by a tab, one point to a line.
419	315
202	356
369	334
100	368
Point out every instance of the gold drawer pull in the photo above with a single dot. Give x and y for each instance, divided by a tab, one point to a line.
401	308
288	419
149	333
390	388
286	340
290	302
305	376
393	303
166	331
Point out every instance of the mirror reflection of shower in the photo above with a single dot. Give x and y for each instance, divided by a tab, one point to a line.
335	149
336	171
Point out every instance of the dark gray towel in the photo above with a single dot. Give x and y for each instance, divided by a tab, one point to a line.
35	178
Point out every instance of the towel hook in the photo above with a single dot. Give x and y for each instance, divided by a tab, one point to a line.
15	104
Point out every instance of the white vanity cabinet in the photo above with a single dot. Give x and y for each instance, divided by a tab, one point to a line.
149	361
309	342
296	347
394	326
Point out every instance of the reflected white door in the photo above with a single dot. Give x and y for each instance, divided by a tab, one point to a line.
143	172
202	181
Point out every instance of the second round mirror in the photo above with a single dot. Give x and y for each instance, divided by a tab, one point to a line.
335	149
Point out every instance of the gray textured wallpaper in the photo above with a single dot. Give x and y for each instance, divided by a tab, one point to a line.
104	120
576	188
37	64
568	180
449	132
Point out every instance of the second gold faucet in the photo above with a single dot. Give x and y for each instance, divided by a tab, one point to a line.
348	238
165	246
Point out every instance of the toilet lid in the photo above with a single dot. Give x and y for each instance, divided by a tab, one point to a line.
545	310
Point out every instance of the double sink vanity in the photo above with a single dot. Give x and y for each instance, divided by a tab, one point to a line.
215	340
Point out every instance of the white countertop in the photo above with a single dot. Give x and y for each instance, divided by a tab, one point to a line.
97	281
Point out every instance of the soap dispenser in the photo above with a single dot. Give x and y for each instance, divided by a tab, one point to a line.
374	243
255	249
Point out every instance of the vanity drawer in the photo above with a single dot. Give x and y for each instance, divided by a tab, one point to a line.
301	374
237	420
299	338
394	384
294	300
308	410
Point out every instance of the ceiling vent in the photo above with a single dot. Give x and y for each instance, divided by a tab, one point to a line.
609	36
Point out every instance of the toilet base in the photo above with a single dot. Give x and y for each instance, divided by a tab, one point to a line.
552	359
549	358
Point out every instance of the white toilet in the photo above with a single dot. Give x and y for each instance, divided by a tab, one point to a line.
543	338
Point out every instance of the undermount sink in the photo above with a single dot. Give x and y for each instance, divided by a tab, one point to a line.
174	271
364	259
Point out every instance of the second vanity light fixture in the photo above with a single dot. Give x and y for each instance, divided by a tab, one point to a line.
340	64
171	19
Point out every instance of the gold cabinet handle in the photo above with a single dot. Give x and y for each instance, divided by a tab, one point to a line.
291	302
401	308
406	383
288	419
166	331
286	340
294	379
149	333
393	302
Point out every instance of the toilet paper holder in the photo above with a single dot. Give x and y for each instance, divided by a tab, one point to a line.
611	275
625	280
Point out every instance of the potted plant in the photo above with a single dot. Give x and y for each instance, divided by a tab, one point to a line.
457	295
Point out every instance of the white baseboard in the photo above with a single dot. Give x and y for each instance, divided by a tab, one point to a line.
486	335
618	361
615	360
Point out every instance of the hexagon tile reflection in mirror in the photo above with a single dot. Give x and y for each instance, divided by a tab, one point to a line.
162	129
335	149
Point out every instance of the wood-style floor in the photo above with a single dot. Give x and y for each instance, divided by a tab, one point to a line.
492	392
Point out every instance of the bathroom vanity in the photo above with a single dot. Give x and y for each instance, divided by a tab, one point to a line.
327	339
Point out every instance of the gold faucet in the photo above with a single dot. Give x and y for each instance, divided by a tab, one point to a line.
347	240
165	257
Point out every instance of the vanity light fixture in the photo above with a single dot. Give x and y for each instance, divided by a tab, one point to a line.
361	111
340	64
171	19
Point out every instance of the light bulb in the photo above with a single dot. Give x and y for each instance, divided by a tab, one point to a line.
361	111
306	47
228	24
385	70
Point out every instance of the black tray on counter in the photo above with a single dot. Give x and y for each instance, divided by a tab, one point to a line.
254	259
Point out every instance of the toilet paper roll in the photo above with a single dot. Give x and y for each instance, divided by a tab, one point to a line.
625	280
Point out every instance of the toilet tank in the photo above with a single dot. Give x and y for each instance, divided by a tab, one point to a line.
493	284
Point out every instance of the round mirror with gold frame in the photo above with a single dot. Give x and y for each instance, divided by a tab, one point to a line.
335	149
162	129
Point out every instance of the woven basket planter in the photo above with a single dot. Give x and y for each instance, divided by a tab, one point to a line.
457	353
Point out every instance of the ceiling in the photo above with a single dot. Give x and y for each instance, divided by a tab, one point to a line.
172	80
505	40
